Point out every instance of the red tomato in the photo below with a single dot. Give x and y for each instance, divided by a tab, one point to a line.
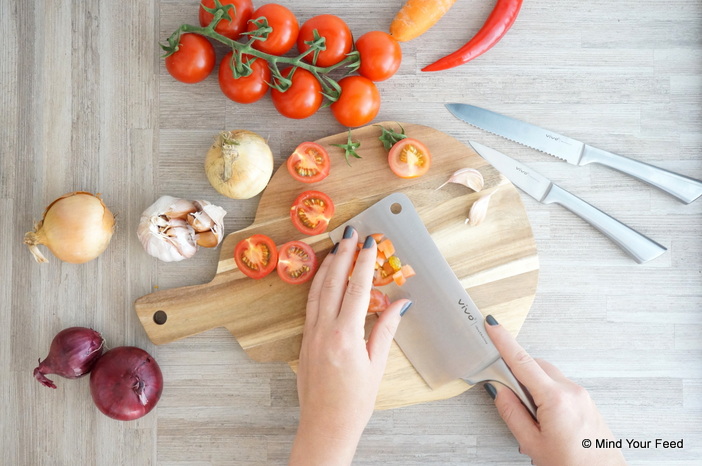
302	99
193	61
246	89
284	27
338	40
381	55
297	262
379	301
240	14
256	256
409	158
309	163
358	103
311	212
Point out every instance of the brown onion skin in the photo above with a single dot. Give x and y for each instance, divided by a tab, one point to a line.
73	353
126	383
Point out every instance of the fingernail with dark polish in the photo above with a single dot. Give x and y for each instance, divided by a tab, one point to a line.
333	250
490	388
368	242
407	305
491	320
348	232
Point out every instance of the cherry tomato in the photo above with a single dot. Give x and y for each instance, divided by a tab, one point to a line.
302	99
240	14
409	158
284	27
246	89
311	212
297	262
193	61
381	55
358	103
256	256
309	163
338	39
379	301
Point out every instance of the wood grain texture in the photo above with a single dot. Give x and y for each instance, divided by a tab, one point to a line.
495	260
88	105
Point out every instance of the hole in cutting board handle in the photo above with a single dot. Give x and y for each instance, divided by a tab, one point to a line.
396	208
160	317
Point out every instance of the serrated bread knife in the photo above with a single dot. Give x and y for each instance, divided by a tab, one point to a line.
443	334
575	152
638	246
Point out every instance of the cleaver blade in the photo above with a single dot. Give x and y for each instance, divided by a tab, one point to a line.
443	335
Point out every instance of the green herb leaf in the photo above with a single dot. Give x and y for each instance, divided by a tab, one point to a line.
349	148
389	137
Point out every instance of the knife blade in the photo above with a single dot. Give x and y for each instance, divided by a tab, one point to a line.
444	334
575	152
638	246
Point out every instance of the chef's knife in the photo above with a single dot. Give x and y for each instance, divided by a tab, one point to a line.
443	335
575	152
638	246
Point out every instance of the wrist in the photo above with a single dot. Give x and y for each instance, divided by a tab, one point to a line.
321	443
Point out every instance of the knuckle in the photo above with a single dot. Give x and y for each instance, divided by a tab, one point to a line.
355	289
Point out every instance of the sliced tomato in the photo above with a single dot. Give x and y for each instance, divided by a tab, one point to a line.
256	256
309	163
379	301
311	212
409	158
297	262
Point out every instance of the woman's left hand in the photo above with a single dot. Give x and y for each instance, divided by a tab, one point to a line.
339	373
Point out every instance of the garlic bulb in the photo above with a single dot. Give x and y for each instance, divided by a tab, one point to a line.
171	229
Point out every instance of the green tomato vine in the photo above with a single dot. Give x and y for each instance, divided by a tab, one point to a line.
241	67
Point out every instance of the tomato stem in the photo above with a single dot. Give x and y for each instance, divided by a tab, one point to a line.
330	88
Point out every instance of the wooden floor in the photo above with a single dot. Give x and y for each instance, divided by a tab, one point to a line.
86	104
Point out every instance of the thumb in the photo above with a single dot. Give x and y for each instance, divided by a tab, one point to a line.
384	331
515	415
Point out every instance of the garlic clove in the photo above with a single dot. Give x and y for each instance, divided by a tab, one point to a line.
478	211
180	209
208	239
200	222
216	215
469	177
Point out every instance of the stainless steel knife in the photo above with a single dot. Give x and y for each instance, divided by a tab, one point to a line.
638	246
575	152
443	335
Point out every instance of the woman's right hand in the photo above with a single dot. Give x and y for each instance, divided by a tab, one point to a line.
566	415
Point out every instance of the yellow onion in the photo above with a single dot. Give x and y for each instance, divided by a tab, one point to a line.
239	164
77	227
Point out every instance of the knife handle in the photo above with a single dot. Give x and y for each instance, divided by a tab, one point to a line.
638	246
498	371
684	188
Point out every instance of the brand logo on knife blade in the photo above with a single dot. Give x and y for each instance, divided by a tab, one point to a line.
466	309
555	138
522	171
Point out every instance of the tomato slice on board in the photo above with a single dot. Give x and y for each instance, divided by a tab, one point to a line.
379	301
256	256
309	163
297	262
409	158
311	212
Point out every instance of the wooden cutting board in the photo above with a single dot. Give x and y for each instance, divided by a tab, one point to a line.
496	261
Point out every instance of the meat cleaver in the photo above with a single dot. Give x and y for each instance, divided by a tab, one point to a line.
443	334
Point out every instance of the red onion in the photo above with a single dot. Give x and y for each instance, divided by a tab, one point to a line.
72	354
126	383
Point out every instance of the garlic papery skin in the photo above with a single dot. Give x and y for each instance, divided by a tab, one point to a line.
478	211
166	228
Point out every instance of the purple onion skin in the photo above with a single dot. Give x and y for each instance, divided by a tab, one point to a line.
126	383
73	353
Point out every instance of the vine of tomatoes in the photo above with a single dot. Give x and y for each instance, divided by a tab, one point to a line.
329	66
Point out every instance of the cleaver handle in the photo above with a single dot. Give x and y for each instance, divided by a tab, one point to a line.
638	246
683	187
499	372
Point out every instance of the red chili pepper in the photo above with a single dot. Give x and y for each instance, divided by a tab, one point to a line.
495	27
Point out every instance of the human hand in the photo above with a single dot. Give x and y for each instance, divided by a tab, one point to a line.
566	415
339	373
